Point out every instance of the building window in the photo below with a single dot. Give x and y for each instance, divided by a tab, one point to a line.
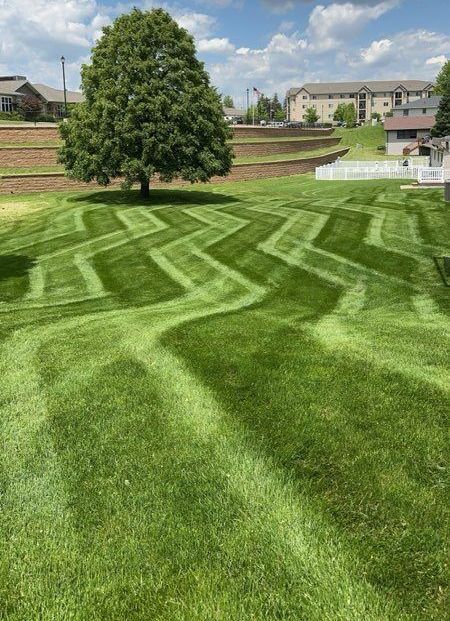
304	106
406	134
330	96
342	96
330	105
352	95
59	110
305	97
424	110
6	104
418	93
386	103
314	97
405	112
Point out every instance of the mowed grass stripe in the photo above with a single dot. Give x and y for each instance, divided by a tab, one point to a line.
247	420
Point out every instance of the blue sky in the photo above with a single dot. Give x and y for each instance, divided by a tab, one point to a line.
270	44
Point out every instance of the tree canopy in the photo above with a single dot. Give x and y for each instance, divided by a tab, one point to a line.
442	125
443	80
228	101
149	108
311	115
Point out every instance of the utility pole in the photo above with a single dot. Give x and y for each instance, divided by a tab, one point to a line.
63	60
248	99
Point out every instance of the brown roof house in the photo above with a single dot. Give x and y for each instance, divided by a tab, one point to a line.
409	125
13	88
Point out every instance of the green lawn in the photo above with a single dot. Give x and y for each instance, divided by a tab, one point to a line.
364	142
228	403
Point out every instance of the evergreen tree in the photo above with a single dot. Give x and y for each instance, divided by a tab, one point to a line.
443	80
149	108
228	101
263	108
442	125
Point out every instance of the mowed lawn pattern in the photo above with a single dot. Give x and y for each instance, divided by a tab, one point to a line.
226	403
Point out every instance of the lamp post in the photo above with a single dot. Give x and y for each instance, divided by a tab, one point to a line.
63	60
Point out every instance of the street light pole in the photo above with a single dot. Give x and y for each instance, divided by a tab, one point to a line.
63	60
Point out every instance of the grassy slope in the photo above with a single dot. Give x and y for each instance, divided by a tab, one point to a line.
280	157
224	404
368	138
30	170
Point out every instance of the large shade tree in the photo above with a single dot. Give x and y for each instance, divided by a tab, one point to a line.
149	108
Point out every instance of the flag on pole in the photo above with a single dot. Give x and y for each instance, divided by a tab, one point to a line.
256	92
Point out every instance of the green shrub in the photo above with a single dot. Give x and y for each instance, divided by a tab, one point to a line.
11	116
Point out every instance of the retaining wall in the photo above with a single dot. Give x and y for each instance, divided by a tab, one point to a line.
15	184
286	146
17	157
248	131
28	133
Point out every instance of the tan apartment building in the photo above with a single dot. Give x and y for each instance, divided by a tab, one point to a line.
368	97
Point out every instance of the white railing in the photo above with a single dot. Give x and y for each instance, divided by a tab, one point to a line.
332	173
431	175
410	161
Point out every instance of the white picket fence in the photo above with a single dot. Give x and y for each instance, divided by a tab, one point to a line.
431	175
420	160
331	173
416	168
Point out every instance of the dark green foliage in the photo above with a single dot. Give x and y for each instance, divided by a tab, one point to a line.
442	125
442	84
149	108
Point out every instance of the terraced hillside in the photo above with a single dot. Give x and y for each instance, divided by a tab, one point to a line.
225	404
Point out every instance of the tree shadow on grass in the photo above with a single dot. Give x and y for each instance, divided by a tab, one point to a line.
15	265
157	197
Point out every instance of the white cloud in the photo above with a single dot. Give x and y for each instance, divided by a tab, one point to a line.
409	54
377	51
201	26
436	60
215	45
335	25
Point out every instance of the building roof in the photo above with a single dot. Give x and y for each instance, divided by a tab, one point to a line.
424	102
233	112
9	87
409	122
55	95
328	88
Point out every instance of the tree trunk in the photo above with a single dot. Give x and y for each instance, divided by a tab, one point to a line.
145	188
